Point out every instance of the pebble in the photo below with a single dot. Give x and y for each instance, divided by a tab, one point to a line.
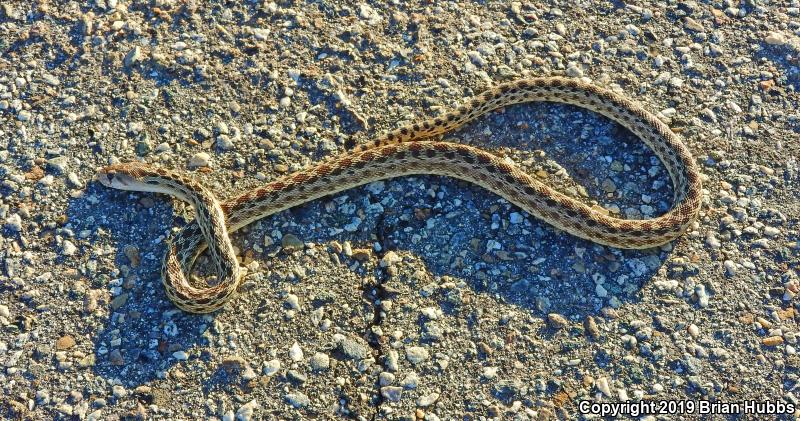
271	367
386	378
133	56
293	302
712	241
390	259
65	342
730	268
557	321
67	248
245	412
14	223
290	243
427	400
392	393
319	361
693	330
351	348
410	381
74	181
775	38
180	355
200	159
416	354
115	357
516	218
295	353
702	296
24	115
392	360
603	386
297	399
119	392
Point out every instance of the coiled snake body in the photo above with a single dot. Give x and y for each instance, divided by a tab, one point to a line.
410	150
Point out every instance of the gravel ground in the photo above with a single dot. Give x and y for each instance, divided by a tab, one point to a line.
414	298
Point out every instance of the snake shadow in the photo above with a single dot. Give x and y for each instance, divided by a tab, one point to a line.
141	329
456	229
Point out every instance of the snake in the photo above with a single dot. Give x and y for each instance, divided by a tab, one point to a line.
415	149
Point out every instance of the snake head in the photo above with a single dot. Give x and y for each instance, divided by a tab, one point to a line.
120	176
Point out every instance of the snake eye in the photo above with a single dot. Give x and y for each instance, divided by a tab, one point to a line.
110	176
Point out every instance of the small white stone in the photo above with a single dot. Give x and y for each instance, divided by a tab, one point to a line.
320	361
14	222
292	301
119	391
295	353
133	56
712	241
68	249
180	355
427	400
271	367
490	372
392	393
386	378
245	412
730	268
298	400
603	386
775	38
200	159
389	259
416	354
693	330
516	218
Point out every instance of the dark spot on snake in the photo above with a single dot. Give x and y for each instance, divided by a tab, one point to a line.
510	178
530	190
591	222
484	158
451	117
416	127
551	202
426	124
438	121
450	155
404	130
415	153
430	153
469	159
401	154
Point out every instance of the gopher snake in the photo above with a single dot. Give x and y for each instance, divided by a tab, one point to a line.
410	150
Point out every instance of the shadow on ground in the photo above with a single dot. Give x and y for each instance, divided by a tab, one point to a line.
458	230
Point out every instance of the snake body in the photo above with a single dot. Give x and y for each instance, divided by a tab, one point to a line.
410	150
